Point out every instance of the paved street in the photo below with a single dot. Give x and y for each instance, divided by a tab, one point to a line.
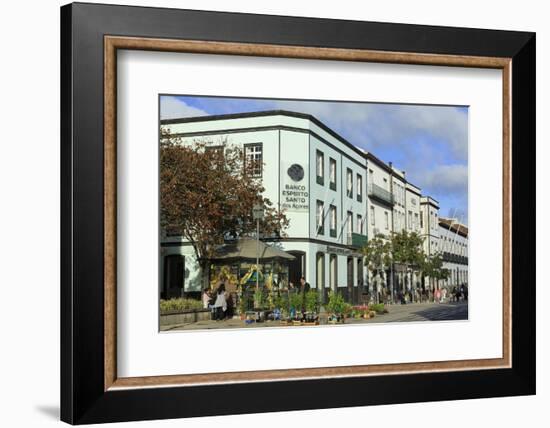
423	312
397	313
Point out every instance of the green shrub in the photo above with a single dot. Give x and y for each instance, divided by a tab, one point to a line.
312	301
295	301
244	302
336	303
179	304
378	308
259	299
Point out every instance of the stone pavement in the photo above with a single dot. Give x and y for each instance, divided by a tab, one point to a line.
411	312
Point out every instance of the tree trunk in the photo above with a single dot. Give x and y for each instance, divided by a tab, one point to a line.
204	268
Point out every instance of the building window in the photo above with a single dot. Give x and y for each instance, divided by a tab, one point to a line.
320	168
333	223
217	149
320	221
349	183
422	220
385	184
410	219
359	224
372	220
253	159
416	220
396	222
350	223
386	220
359	187
332	167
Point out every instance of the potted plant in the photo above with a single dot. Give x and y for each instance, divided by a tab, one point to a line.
312	307
336	306
243	305
259	301
295	301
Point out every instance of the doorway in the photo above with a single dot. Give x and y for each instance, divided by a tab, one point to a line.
296	267
174	276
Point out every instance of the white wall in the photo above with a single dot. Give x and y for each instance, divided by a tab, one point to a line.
377	177
29	87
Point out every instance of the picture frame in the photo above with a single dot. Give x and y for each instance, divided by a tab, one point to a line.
91	392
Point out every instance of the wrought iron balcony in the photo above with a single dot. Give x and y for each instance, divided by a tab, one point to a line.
381	195
356	240
454	258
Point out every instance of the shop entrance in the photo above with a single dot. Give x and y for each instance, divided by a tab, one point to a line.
174	271
296	267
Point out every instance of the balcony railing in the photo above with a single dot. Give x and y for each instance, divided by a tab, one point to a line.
454	258
381	194
356	240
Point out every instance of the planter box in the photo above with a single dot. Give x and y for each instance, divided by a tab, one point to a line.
185	317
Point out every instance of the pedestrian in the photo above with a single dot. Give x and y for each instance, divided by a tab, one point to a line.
304	288
230	312
220	305
206	298
438	296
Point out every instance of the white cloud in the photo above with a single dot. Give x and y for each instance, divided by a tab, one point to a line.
373	126
173	108
447	178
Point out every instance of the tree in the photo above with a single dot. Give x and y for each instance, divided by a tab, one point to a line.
207	194
377	254
432	266
406	249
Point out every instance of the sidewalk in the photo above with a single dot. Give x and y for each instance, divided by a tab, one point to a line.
411	312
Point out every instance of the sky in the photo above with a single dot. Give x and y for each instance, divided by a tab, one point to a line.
429	142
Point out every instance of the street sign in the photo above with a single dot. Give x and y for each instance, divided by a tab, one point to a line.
258	212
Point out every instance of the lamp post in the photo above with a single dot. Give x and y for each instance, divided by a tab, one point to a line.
257	214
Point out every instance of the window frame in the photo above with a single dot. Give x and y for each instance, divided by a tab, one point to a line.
331	162
246	147
320	228
320	167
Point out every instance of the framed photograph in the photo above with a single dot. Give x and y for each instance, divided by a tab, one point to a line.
291	213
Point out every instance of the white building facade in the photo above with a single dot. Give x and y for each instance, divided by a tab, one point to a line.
333	193
453	240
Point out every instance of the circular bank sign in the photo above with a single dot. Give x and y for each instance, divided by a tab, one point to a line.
296	172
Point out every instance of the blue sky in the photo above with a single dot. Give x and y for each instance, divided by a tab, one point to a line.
429	142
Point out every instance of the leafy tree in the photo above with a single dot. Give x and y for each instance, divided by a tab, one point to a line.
432	266
406	249
207	194
378	257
